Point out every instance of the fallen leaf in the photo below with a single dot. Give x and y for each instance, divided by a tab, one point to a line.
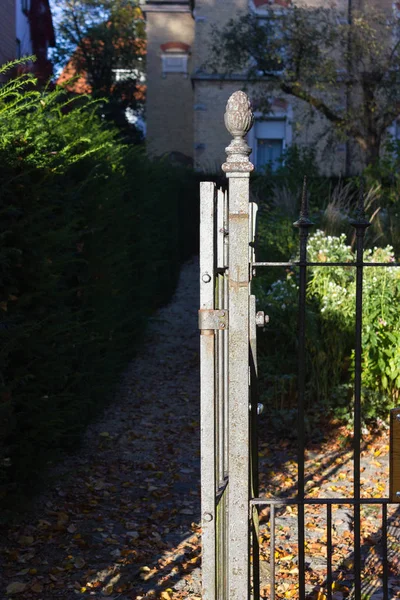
108	590
26	540
15	588
79	563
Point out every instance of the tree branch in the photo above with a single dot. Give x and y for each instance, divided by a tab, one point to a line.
295	89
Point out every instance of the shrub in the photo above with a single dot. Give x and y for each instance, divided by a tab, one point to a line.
297	162
330	333
92	238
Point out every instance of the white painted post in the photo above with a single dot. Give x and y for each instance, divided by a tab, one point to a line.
238	121
207	395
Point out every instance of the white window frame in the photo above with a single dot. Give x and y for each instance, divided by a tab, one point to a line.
168	68
276	115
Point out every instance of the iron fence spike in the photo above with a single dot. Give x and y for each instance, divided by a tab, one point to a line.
304	199
360	220
304	220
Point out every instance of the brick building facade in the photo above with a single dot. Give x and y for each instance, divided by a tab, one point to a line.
185	103
26	28
8	25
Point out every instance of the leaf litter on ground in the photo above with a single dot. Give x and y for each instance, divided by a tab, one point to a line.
121	518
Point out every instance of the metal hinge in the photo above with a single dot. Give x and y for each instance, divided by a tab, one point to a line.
213	319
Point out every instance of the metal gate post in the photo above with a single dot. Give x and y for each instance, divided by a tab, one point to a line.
207	387
238	121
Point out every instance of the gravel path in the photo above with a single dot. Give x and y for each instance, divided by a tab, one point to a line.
120	518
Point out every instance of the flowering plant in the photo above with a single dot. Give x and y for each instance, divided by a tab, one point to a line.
330	334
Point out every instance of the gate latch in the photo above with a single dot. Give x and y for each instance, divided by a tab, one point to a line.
213	319
261	319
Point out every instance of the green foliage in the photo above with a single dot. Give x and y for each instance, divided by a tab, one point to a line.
278	198
330	356
297	162
92	237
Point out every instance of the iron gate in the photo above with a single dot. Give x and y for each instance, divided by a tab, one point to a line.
229	407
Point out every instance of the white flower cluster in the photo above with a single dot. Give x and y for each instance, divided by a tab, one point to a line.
282	291
334	298
324	248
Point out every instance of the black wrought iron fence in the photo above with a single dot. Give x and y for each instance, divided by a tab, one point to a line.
230	489
360	224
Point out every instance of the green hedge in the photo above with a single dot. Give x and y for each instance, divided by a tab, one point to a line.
92	238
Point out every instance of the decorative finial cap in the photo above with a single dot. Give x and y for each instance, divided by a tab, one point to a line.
239	116
239	120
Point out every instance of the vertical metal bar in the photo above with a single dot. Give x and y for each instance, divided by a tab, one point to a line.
207	394
220	374
220	335
360	224
255	519
385	565
226	401
225	548
303	224
220	229
220	425
252	232
238	119
329	550
272	549
226	337
254	446
218	395
253	395
357	552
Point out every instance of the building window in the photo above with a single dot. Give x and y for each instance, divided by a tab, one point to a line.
269	143
174	63
174	57
18	52
269	152
25	5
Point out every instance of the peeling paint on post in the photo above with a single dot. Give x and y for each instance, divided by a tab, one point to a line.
238	121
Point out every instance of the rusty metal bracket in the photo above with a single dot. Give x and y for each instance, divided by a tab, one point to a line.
394	481
213	319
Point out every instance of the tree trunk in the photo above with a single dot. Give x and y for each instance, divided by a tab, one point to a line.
372	150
